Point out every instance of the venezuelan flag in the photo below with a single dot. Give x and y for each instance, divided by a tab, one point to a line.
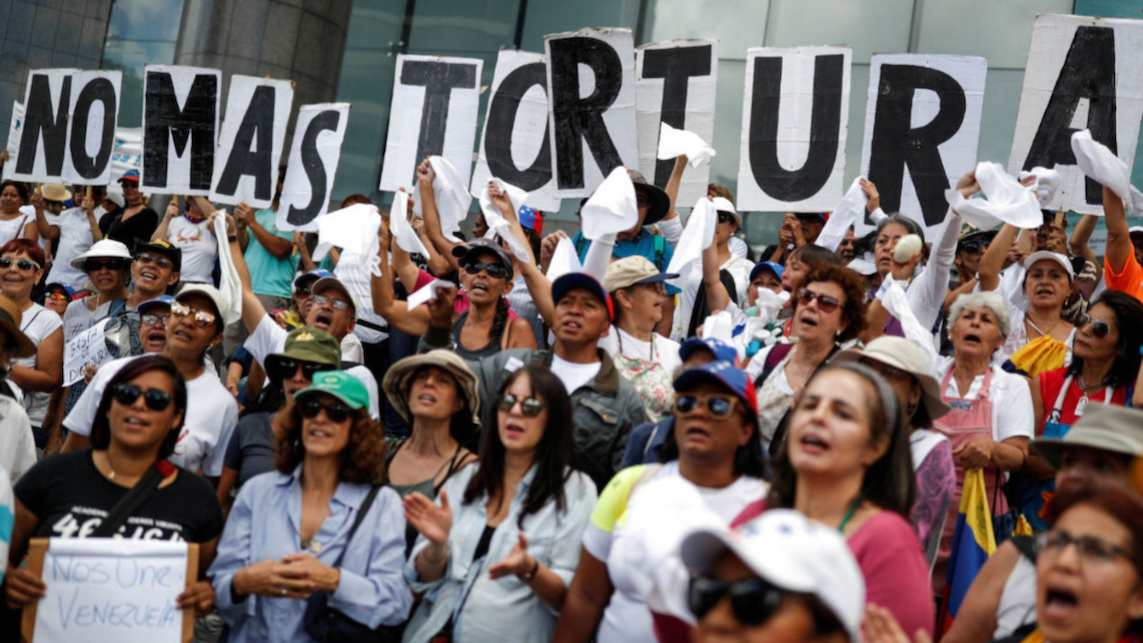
973	542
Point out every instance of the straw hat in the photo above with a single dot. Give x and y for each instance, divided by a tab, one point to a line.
903	354
398	380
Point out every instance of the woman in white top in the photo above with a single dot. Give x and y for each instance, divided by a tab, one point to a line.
191	232
16	220
73	231
108	266
643	356
21	268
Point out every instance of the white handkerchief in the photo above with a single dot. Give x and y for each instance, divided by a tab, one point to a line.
230	284
450	195
1007	201
403	231
697	236
848	211
353	229
564	260
1047	182
426	293
1102	166
611	209
676	142
497	225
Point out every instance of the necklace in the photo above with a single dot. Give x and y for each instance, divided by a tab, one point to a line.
849	514
1085	387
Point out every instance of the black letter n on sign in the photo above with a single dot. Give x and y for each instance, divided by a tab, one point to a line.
315	170
1088	72
825	125
502	110
41	119
164	122
438	79
579	119
255	131
895	144
676	67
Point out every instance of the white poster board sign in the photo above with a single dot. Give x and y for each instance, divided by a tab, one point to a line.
515	145
675	83
180	129
111	590
13	147
88	348
795	122
436	102
591	94
1082	73
40	157
922	128
253	134
314	156
93	112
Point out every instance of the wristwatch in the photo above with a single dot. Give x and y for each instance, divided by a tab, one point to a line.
527	578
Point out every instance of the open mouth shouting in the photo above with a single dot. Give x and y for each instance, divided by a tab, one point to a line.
322	319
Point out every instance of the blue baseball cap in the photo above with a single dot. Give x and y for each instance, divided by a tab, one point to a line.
723	352
531	218
766	265
61	287
130	176
313	275
578	281
161	300
725	374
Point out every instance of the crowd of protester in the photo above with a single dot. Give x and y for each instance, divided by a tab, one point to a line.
775	445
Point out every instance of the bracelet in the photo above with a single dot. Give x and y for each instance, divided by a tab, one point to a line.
232	238
527	578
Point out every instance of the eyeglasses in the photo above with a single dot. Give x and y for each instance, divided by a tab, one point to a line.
1090	548
336	412
155	399
1099	328
284	369
719	406
202	318
494	270
61	296
153	320
162	262
753	600
725	217
530	407
304	291
95	265
321	300
826	304
974	246
24	265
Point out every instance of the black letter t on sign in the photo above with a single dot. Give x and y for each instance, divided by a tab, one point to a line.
438	79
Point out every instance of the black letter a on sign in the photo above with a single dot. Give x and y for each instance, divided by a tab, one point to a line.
438	79
895	144
578	119
1088	72
40	118
825	125
164	122
255	131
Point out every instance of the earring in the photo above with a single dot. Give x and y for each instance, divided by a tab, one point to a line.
912	408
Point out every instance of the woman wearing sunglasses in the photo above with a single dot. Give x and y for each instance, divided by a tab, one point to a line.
496	554
487	328
108	265
715	448
21	268
287	537
846	464
1105	364
136	427
193	328
829	310
740	590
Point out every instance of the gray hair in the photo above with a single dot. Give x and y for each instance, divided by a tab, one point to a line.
990	300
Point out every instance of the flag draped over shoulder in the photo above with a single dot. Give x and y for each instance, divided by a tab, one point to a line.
973	542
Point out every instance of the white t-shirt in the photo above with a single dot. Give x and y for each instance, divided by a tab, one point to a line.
17	445
75	239
14	228
199	248
269	338
211	416
352	350
77	318
37	323
666	352
574	375
1012	412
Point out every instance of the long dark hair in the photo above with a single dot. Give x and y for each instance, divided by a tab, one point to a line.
101	426
553	455
500	320
890	482
1129	320
748	458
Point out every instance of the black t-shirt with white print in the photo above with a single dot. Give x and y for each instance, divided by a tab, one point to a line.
70	497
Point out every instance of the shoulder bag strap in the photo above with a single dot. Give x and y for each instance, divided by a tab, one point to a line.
129	503
365	505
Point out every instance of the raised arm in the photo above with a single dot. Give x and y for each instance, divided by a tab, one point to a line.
1119	247
46	230
993	260
1079	243
670	226
168	216
414	322
716	295
277	246
252	309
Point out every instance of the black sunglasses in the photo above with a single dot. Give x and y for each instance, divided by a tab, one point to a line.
530	407
974	246
719	406
494	270
1099	328
95	265
24	265
155	399
335	412
284	369
725	217
753	600
304	291
826	304
162	262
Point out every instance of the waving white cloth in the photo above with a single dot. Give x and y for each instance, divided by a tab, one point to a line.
1047	183
564	260
403	231
612	208
229	284
451	197
893	298
1007	201
497	225
676	142
847	213
1102	166
697	236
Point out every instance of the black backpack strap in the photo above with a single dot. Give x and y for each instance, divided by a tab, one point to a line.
365	505
129	503
1026	545
773	358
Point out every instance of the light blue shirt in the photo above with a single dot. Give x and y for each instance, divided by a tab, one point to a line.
505	609
264	524
271	276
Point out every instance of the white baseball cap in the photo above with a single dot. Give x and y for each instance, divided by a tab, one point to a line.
1042	255
723	204
794	553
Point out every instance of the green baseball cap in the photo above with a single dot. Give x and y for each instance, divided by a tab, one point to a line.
309	344
339	384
